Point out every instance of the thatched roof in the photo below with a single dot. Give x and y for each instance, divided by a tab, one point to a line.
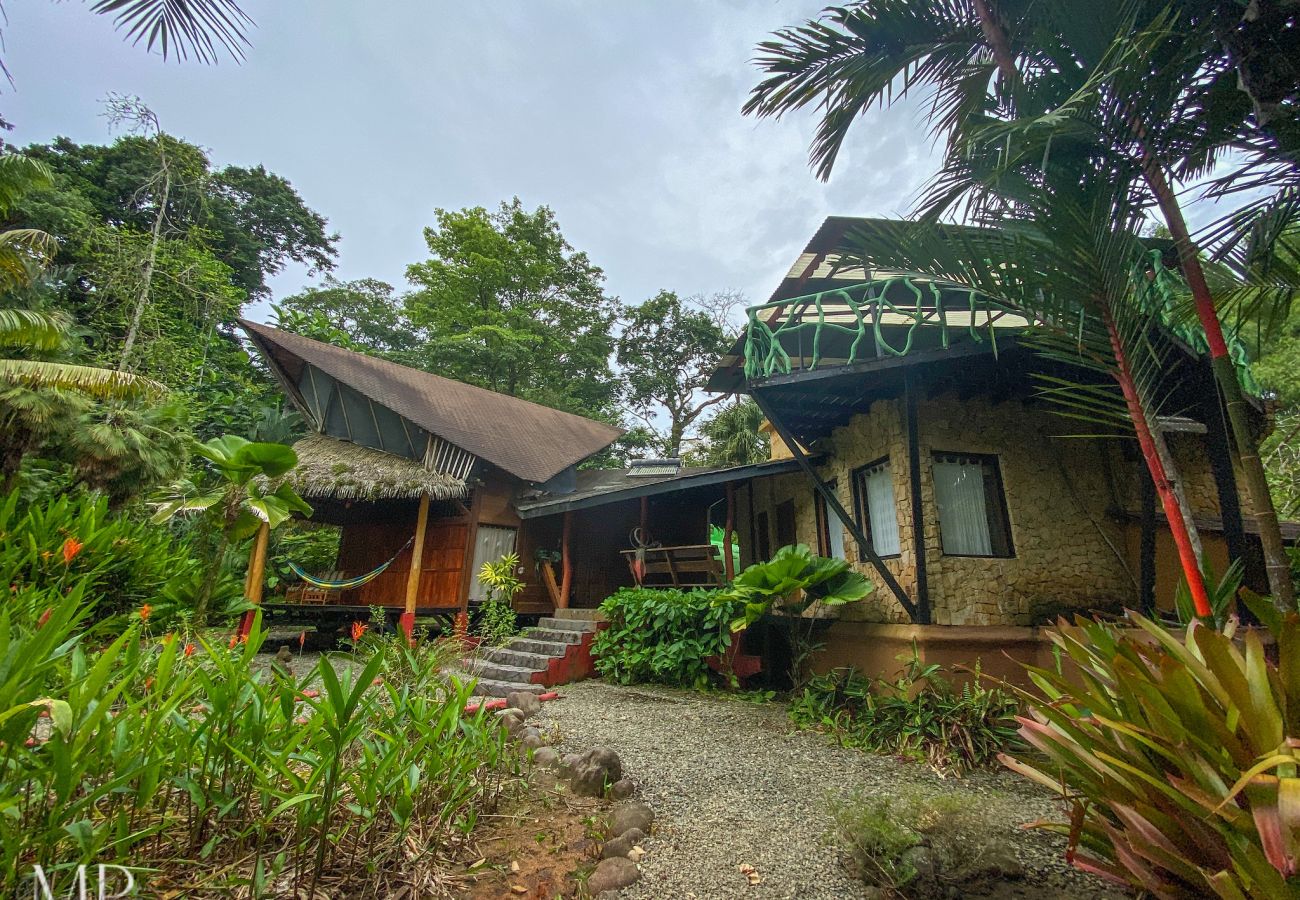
341	470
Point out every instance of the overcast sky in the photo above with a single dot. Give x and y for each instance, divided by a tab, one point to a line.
623	117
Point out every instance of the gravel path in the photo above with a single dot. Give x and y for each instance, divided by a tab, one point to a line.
731	784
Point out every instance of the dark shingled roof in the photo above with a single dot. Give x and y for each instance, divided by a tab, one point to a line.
529	441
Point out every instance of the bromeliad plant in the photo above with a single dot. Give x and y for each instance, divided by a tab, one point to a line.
794	583
1180	758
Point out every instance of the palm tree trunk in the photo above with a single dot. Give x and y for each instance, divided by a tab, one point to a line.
1276	563
1191	564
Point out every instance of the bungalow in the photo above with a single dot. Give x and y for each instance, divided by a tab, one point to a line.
945	477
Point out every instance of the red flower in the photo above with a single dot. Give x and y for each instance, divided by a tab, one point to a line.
145	610
71	547
358	629
302	639
189	649
45	617
234	639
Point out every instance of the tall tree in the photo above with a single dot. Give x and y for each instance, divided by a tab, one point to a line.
666	352
731	437
507	303
364	314
1154	102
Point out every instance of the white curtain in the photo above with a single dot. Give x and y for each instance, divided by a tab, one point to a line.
882	511
490	544
963	516
834	533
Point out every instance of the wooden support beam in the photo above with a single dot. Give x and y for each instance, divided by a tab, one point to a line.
910	401
566	561
255	578
417	563
833	504
729	534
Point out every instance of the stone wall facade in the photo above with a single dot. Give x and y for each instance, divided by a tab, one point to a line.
1069	548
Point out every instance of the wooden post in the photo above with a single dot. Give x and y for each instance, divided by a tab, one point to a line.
417	560
255	578
728	534
566	561
918	511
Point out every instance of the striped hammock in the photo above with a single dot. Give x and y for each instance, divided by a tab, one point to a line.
348	583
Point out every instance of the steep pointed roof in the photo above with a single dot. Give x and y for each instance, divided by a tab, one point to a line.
527	440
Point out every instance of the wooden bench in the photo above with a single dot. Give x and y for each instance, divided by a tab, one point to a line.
310	595
690	565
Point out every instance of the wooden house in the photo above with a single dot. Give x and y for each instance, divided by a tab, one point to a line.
421	471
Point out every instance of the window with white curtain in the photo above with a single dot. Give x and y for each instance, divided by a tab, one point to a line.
877	508
972	509
491	542
830	530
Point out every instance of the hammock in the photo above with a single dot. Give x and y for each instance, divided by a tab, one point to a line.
349	583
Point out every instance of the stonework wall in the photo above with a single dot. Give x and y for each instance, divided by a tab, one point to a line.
1069	551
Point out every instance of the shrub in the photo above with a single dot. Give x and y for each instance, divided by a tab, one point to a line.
121	563
663	636
919	846
920	715
793	582
1179	757
223	777
497	623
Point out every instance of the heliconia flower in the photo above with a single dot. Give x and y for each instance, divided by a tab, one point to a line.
71	547
234	639
302	639
243	637
358	629
189	649
145	610
45	617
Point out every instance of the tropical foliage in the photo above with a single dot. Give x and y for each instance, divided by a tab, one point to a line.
663	636
1179	756
920	714
496	620
170	753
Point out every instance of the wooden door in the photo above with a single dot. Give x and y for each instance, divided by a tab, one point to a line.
442	565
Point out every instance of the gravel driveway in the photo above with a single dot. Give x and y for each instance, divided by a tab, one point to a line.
732	784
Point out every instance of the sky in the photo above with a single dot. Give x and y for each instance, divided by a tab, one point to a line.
623	117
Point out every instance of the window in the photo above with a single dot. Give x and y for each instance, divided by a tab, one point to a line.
873	486
785	530
972	507
491	542
830	530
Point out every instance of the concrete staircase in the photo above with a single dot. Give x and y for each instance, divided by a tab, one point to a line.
555	652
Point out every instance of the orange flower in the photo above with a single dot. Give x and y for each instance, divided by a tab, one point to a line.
189	649
302	639
45	617
145	610
358	629
234	639
71	547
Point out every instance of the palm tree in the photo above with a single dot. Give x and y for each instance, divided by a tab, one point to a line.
1146	94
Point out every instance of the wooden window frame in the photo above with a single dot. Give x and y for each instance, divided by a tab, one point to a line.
824	518
995	505
860	512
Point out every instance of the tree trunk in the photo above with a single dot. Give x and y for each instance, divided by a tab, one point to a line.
1173	514
1276	562
142	301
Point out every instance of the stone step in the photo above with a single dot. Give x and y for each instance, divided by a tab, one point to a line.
493	687
555	635
541	648
583	615
534	662
486	668
554	624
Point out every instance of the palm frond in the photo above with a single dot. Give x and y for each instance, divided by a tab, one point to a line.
32	329
88	380
202	29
